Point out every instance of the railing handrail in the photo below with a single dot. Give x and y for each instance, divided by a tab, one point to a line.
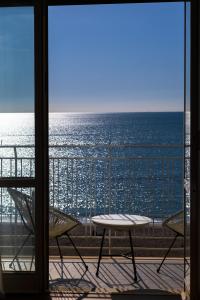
102	145
100	157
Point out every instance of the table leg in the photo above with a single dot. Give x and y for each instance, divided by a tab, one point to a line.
133	257
100	252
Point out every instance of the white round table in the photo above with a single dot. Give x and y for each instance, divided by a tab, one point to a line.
119	222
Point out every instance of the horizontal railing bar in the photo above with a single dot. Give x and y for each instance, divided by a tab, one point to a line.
17	182
118	146
116	158
101	158
17	146
18	158
103	145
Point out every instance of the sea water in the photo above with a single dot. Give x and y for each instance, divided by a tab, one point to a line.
104	163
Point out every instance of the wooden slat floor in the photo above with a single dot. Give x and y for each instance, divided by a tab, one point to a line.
70	280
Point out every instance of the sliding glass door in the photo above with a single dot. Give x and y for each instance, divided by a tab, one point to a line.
116	134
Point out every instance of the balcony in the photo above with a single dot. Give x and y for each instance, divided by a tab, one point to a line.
86	180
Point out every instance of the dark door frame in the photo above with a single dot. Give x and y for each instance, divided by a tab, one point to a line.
41	109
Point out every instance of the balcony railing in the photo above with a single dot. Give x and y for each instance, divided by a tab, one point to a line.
86	180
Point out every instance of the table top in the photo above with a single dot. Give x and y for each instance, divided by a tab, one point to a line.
120	221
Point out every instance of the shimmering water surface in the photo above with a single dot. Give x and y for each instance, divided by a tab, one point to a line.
100	163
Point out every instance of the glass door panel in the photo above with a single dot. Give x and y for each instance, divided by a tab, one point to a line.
116	121
17	149
17	229
17	137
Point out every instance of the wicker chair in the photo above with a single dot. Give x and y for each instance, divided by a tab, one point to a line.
24	207
59	223
176	224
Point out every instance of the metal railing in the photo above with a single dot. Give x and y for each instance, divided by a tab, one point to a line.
86	180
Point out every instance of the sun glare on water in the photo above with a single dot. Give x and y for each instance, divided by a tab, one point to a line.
14	119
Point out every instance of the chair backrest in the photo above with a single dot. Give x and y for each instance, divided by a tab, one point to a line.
176	222
59	222
24	206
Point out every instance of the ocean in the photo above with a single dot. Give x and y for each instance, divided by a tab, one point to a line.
103	163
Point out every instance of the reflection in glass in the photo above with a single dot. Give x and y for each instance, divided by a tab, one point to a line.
17	92
17	229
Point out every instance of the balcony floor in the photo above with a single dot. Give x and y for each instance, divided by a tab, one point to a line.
115	275
71	281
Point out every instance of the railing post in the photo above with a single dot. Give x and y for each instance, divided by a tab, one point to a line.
109	176
110	193
1	176
15	155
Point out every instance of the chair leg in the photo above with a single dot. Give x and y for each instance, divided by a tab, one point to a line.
133	256
172	244
31	262
32	258
20	249
86	267
61	257
100	252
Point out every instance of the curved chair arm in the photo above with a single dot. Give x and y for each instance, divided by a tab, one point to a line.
60	222
176	215
176	222
57	216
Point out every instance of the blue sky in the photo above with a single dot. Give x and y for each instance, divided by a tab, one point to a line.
102	58
116	57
